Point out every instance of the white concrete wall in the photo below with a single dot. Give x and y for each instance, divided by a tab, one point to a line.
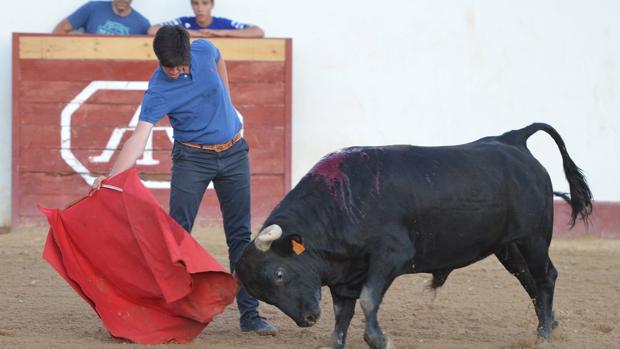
421	72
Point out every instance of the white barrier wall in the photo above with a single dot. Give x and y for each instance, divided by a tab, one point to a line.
418	72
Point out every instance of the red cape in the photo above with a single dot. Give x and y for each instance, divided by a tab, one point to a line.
145	276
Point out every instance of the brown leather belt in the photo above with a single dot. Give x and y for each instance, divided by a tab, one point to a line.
215	147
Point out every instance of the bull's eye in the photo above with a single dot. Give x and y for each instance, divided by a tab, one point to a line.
278	276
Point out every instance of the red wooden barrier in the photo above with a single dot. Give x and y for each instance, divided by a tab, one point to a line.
74	104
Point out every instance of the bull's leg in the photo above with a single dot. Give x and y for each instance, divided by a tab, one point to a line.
536	255
553	273
383	269
370	299
513	261
344	308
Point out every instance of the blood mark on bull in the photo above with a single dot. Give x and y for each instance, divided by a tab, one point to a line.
328	169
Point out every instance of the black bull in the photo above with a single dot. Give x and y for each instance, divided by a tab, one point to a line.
365	215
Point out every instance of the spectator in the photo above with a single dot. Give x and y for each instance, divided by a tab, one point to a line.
104	17
206	26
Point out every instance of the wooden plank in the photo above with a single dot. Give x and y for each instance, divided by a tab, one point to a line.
267	191
266	151
247	71
93	136
53	184
119	115
87	47
93	115
257	93
49	160
66	91
258	116
48	92
72	70
245	93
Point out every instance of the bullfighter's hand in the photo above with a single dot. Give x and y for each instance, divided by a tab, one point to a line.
97	183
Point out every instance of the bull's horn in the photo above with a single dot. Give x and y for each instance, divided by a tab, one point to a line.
267	236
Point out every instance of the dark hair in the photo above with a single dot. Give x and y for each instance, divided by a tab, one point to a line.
171	46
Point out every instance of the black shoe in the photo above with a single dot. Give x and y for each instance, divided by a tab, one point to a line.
260	326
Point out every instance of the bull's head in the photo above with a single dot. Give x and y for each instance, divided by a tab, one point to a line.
271	272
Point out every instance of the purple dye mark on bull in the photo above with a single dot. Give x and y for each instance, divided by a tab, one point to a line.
328	169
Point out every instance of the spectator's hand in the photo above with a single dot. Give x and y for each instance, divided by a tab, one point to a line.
210	33
201	33
207	33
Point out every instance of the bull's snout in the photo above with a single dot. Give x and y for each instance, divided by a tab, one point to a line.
309	319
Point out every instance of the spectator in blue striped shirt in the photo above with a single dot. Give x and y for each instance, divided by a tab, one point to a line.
204	25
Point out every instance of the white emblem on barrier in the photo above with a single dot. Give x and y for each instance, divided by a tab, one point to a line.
117	135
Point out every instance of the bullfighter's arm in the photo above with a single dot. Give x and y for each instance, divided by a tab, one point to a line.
221	69
132	150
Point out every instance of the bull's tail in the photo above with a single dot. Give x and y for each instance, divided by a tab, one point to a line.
580	195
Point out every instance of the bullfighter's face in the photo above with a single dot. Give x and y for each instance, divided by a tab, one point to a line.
286	281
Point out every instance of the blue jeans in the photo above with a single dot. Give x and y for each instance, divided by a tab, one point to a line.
192	171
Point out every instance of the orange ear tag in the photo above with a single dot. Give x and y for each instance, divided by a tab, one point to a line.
297	247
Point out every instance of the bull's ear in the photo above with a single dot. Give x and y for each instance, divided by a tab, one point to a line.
297	244
289	244
267	236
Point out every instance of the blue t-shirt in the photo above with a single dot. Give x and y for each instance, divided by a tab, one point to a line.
197	104
216	23
97	17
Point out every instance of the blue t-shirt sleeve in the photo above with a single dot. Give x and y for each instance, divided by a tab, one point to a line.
79	18
239	25
225	23
154	107
176	21
146	24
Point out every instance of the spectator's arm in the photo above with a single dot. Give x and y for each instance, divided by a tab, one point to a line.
253	31
64	27
153	29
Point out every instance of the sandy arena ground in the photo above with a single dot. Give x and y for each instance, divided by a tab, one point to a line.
481	306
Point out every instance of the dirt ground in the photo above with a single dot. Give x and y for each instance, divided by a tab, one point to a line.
481	306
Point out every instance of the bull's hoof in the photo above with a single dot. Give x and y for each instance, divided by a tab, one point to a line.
544	334
382	342
338	340
544	331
